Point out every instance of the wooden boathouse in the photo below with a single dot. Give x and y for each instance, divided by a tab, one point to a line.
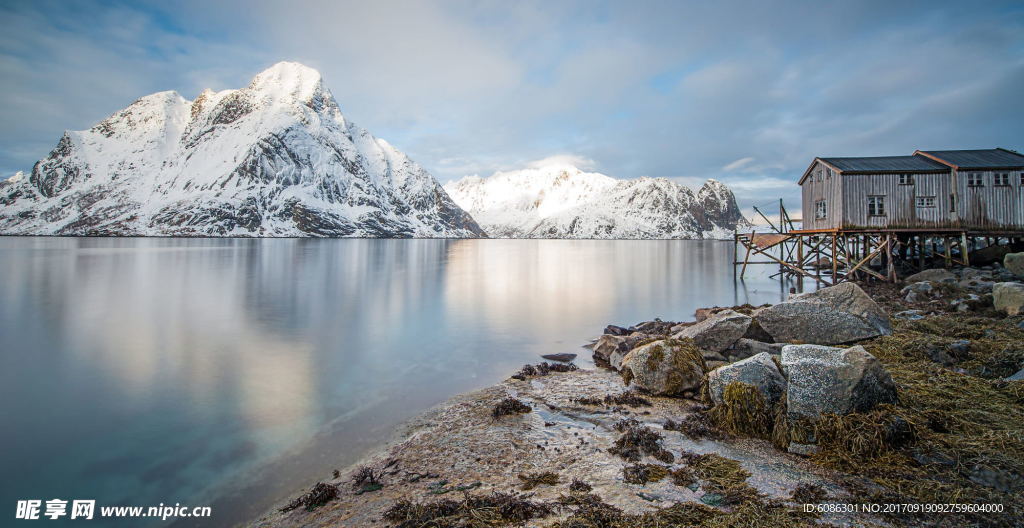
870	216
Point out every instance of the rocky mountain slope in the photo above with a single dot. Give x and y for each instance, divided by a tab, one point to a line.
276	158
561	201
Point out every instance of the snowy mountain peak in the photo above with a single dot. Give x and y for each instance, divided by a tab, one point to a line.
276	158
558	200
286	82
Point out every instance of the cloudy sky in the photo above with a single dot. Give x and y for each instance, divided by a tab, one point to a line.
744	92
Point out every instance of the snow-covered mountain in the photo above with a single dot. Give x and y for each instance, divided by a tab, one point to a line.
276	158
561	201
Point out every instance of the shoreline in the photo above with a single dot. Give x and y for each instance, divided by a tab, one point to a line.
458	450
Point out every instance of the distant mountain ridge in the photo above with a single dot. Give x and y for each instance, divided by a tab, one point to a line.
276	158
561	201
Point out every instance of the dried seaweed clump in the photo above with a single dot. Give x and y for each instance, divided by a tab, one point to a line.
578	486
510	406
805	493
543	369
859	435
595	513
643	473
318	496
639	440
743	411
716	474
628	398
696	425
366	479
532	480
473	511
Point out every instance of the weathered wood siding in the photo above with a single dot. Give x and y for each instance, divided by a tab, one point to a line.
901	211
828	189
991	206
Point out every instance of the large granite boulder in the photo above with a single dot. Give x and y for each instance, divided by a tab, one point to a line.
610	349
1008	297
718	331
759	371
1014	262
668	367
829	316
824	379
744	348
931	275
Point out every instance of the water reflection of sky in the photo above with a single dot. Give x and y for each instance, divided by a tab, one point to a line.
141	371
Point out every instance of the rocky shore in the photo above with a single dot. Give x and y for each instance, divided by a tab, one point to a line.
857	393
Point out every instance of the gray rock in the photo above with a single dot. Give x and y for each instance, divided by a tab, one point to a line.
744	348
712	356
975	274
1008	297
960	348
563	357
712	365
1019	376
939	355
1014	263
759	371
972	302
655	327
914	297
838	314
616	330
976	284
918	287
610	349
910	315
665	367
932	275
825	379
718	331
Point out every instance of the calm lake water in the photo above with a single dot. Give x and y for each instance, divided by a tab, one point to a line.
232	372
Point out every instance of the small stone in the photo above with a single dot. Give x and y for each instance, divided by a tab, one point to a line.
910	315
1019	376
1008	297
1014	263
960	348
932	275
563	357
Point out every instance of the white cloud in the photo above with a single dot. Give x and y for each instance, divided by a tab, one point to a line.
579	162
738	164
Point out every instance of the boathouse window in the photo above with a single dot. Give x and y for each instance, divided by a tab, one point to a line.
876	205
974	179
906	179
818	172
820	209
925	201
1002	178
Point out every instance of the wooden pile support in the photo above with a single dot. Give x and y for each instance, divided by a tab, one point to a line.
834	256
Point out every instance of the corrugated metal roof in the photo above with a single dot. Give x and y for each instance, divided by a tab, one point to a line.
886	164
980	159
